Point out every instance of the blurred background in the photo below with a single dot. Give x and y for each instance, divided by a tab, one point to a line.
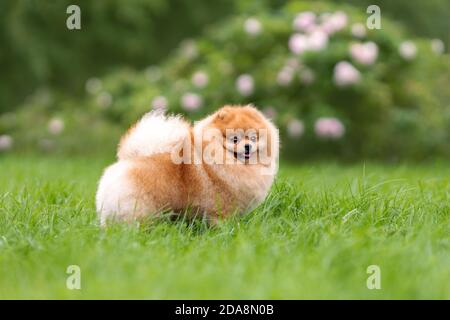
334	87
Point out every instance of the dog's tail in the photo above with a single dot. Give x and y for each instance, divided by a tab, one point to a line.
154	133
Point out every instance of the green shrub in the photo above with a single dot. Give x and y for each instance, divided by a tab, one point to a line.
52	124
391	109
353	93
37	50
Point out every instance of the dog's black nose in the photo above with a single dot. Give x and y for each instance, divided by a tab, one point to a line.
248	147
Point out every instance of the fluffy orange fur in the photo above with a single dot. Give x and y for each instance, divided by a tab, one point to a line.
155	182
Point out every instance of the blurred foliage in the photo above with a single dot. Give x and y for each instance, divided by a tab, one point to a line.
430	18
393	111
399	107
37	49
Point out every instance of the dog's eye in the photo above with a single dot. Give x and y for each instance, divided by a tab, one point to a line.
234	139
253	138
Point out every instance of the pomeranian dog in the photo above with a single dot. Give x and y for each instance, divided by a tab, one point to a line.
223	164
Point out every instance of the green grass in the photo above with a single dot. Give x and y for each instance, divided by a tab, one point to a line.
314	237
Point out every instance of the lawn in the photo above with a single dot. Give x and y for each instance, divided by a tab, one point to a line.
314	237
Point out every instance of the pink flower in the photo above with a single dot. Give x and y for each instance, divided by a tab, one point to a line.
285	76
359	30
437	46
317	40
295	128
159	102
365	53
345	74
407	50
56	126
191	101
304	21
6	142
252	26
200	79
245	84
298	43
340	20
329	128
334	22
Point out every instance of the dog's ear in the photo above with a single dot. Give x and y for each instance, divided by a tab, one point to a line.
222	114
